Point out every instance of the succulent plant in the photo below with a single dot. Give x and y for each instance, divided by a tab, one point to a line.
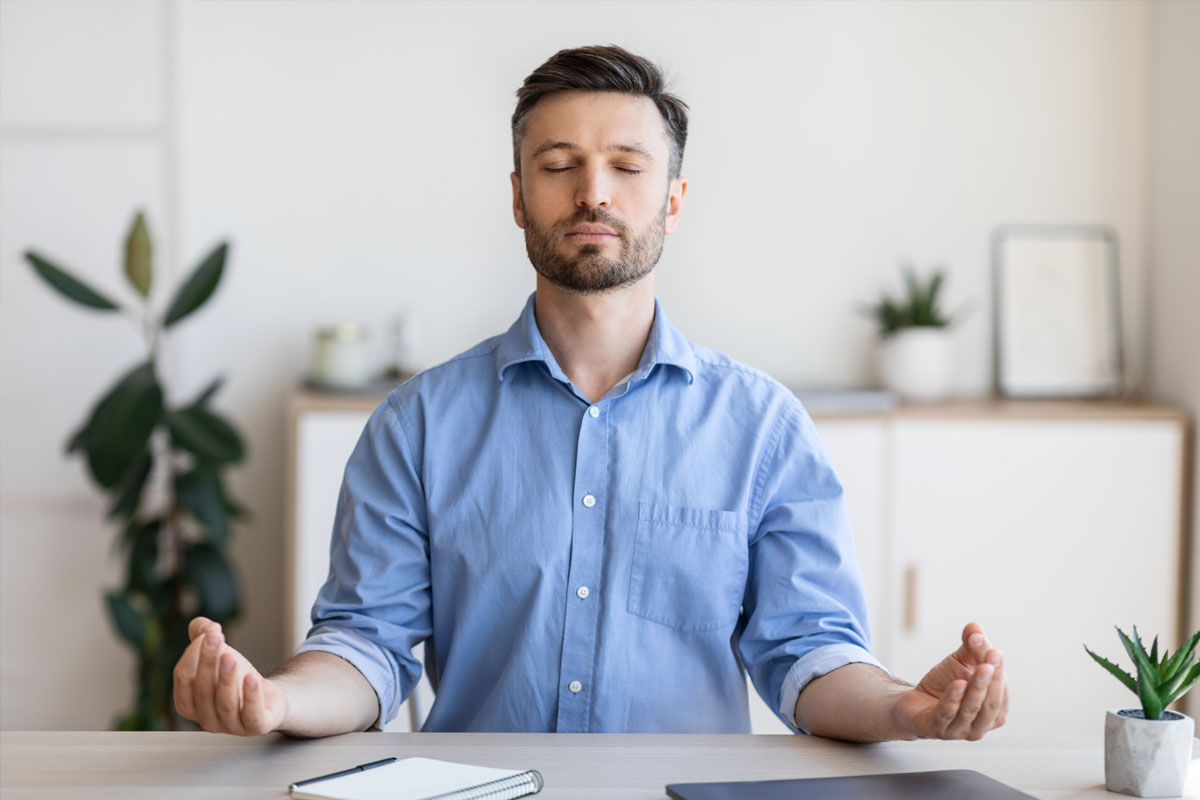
1160	681
918	308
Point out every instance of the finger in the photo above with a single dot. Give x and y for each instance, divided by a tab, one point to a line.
946	709
185	677
992	701
228	699
972	702
254	706
975	644
198	625
1002	717
205	686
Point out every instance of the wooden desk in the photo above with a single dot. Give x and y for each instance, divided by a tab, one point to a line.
129	766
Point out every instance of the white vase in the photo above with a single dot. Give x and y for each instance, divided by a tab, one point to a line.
918	363
1147	757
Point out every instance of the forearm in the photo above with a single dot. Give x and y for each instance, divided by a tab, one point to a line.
854	703
326	695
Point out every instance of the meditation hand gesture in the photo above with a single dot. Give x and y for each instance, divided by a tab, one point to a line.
963	697
217	687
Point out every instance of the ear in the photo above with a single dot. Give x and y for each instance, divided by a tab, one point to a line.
518	207
676	191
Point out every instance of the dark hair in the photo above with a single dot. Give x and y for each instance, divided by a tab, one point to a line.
602	69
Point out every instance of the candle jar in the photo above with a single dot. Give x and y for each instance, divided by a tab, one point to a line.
341	356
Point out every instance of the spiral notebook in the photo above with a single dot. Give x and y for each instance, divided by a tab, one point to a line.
421	779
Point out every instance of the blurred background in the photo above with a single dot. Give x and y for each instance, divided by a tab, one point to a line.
356	157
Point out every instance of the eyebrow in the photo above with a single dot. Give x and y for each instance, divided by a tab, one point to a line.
636	149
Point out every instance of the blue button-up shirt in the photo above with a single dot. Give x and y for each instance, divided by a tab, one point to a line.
608	567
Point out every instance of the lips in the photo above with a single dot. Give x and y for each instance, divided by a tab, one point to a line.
591	229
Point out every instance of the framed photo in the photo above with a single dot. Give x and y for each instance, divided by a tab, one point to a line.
1057	316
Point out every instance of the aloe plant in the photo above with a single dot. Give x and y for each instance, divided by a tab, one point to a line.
919	307
162	467
1160	681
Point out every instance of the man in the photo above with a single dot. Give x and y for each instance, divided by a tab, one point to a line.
594	524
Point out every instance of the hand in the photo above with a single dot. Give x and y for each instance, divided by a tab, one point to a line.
963	697
217	687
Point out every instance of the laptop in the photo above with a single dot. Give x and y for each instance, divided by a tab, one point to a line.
944	784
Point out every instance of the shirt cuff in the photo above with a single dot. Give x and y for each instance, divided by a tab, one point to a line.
814	664
365	656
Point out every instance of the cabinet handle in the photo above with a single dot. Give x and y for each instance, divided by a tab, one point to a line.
910	599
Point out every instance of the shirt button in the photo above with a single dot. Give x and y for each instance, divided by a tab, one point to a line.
595	412
583	592
575	686
589	501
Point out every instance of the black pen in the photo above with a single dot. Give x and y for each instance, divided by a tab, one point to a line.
359	768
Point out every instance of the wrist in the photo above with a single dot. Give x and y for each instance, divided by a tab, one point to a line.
901	722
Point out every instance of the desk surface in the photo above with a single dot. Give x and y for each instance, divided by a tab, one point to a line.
54	764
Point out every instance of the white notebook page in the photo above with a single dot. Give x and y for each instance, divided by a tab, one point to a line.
407	779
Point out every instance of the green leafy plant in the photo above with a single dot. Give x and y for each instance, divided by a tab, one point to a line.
162	467
1160	681
919	307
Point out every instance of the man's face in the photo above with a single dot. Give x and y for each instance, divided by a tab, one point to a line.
593	195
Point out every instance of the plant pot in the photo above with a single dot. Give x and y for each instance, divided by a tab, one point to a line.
1147	757
918	363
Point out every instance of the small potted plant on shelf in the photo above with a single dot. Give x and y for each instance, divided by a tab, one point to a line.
1147	749
916	356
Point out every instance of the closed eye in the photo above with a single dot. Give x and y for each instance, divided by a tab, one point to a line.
622	169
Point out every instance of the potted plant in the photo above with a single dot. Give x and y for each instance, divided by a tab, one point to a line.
162	465
916	355
1147	749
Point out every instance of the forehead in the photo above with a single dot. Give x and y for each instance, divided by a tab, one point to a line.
596	120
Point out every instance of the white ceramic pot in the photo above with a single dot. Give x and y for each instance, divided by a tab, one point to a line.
918	363
1147	757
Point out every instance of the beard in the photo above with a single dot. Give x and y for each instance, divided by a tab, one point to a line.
590	271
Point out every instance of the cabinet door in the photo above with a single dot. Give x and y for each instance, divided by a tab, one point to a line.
1048	533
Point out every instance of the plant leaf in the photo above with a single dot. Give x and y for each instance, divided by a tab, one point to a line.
68	285
143	558
202	399
1152	704
130	623
1182	656
132	485
121	424
1193	676
199	491
1120	674
198	287
208	437
208	571
137	256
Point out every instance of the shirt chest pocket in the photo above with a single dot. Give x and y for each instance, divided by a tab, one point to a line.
689	567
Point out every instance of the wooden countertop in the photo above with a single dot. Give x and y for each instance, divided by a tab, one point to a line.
130	766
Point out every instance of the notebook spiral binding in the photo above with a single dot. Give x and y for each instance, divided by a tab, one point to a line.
504	789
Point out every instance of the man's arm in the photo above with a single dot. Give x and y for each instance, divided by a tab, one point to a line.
963	697
312	694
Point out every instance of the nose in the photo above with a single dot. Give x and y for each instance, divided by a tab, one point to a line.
592	191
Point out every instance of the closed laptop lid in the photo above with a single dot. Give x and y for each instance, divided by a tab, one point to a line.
945	784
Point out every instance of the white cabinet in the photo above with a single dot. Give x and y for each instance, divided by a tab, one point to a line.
1047	532
1048	523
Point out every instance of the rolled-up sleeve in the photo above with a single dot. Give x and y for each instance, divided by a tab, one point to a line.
375	605
804	610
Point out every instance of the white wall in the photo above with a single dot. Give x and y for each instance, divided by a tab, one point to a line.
357	157
1174	237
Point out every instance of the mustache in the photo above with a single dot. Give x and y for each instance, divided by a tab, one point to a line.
594	216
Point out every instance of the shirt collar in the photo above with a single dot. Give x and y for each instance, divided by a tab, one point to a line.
523	342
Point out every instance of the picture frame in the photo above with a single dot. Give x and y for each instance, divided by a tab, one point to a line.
1057	327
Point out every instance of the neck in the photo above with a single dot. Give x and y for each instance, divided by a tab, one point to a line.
597	339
